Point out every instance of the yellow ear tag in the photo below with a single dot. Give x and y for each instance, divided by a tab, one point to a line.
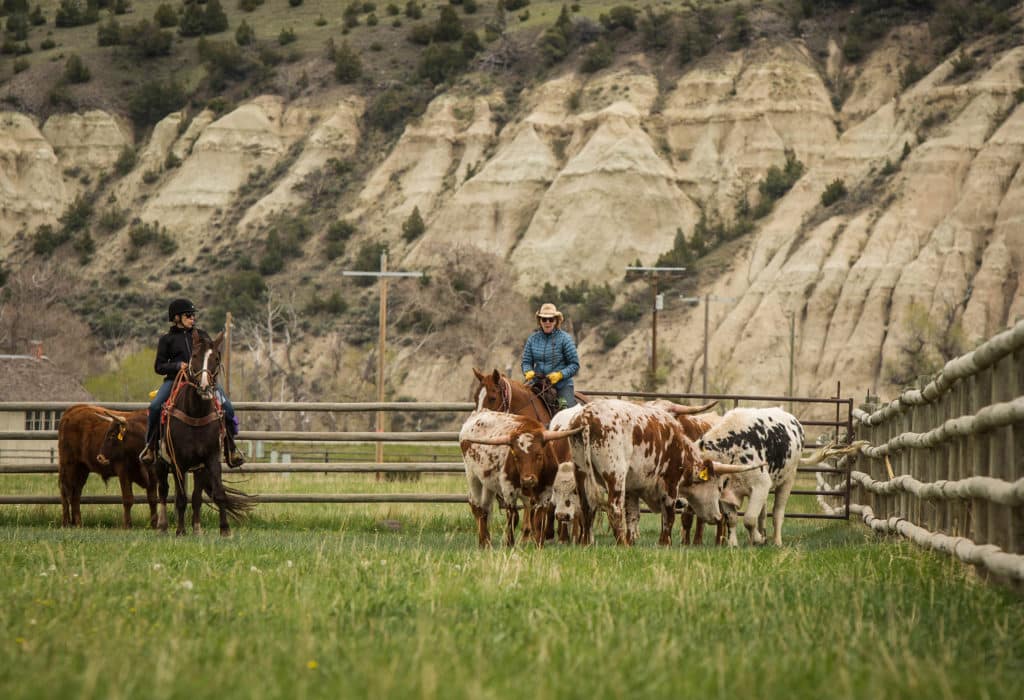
120	434
703	474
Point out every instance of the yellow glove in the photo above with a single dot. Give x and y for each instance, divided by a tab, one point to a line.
555	377
528	376
153	393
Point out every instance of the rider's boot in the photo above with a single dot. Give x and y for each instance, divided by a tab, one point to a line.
232	455
148	454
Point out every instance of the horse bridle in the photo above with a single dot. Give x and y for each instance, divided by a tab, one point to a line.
195	379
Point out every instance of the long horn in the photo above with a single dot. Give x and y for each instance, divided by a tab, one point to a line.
721	468
107	416
489	441
550	435
680	410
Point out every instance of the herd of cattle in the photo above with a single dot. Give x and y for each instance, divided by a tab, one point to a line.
609	454
605	455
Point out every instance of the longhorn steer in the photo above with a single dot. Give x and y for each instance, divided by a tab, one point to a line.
640	452
509	457
94	439
771	440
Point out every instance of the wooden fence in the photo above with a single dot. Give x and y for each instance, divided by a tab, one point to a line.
944	465
841	423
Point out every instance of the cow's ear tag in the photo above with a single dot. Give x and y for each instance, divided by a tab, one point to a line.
703	474
120	434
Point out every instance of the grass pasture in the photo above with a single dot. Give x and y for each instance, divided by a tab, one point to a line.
396	601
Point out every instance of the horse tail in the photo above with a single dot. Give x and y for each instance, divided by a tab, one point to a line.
237	504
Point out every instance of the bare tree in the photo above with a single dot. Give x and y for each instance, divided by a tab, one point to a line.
32	308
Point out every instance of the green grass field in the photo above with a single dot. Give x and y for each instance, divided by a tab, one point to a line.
397	601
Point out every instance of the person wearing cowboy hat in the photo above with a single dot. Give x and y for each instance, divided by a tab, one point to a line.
550	351
173	352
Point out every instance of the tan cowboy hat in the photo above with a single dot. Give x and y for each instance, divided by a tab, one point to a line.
549	311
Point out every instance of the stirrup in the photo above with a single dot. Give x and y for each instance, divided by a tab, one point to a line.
148	455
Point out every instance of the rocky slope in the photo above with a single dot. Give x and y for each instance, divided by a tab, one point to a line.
591	173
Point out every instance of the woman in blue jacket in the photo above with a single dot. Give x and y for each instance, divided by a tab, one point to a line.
550	351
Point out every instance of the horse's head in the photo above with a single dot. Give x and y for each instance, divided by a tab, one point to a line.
204	365
493	392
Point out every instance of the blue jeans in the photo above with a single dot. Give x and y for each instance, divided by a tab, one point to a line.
566	392
164	393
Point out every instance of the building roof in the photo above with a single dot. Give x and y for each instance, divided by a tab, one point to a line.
26	378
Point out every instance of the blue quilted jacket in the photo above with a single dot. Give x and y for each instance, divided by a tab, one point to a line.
555	352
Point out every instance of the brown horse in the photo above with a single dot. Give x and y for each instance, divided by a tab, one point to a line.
192	435
499	393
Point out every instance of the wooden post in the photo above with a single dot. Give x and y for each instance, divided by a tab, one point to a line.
227	354
1001	453
792	354
654	330
381	349
1016	457
707	325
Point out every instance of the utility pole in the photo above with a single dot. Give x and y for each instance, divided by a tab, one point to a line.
657	303
382	330
693	301
792	354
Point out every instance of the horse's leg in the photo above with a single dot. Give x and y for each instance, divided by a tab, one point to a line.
215	481
198	481
127	500
162	488
151	499
180	501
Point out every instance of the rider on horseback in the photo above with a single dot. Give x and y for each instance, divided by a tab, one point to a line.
550	351
172	355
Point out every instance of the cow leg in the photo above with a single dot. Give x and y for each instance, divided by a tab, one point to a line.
632	517
668	520
686	526
480	500
549	522
563	532
617	506
758	499
698	534
127	500
71	483
587	508
77	484
779	509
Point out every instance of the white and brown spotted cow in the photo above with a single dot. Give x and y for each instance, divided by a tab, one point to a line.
769	439
508	457
639	451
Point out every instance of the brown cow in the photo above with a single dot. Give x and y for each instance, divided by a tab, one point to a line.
107	442
509	457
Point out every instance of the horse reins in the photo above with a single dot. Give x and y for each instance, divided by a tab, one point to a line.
171	410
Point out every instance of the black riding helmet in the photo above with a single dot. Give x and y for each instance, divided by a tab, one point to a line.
180	306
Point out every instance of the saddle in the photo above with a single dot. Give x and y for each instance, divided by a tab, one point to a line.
543	389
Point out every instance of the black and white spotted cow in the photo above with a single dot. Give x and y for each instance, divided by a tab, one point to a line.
769	438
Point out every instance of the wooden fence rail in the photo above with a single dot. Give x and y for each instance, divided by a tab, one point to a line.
945	463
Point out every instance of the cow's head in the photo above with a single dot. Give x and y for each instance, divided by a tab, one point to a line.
112	446
699	486
527	454
563	493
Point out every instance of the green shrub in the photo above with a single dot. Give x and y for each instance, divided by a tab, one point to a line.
244	34
835	191
421	34
154	100
294	3
36	16
112	219
75	13
20	65
17	26
392	10
336	237
171	161
272	261
334	305
441	62
611	338
84	246
287	36
165	16
371	20
413	10
911	74
215	20
243	293
620	16
224	61
108	33
78	215
148	40
191	21
413	227
394	106
46	240
449	26
249	5
75	70
598	57
368	259
47	44
351	14
348	67
470	7
320	21
963	63
778	181
742	31
125	161
513	5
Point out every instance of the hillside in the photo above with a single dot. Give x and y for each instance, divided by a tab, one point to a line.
853	165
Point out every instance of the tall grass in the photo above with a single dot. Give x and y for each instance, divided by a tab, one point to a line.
308	601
